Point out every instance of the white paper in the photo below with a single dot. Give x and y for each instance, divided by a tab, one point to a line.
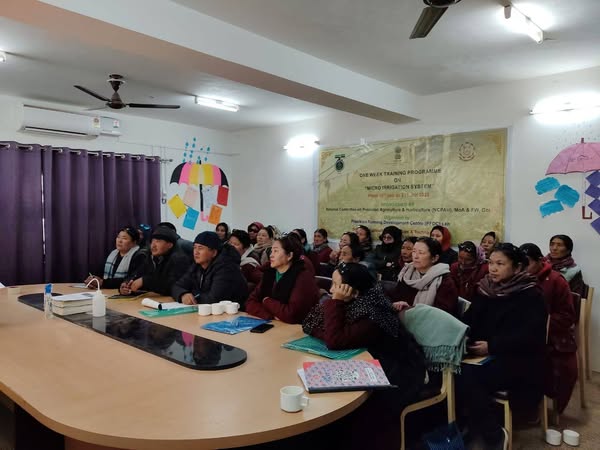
303	378
79	286
74	297
162	306
151	303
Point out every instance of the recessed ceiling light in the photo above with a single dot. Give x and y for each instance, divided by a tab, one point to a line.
2	57
219	104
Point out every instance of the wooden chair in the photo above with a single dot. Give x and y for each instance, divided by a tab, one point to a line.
445	392
580	305
586	330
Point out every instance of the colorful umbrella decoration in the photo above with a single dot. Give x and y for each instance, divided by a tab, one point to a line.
582	157
207	189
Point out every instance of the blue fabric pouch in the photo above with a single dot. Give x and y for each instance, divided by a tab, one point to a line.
234	326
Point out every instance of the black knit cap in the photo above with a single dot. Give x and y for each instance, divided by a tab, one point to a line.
166	234
209	239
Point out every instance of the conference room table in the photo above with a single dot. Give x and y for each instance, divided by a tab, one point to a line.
101	393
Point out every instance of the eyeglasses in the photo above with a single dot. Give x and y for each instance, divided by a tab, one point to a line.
252	230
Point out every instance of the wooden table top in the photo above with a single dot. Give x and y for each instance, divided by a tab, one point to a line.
95	389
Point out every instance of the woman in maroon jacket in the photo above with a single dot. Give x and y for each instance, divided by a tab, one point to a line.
561	346
426	280
321	245
287	290
469	269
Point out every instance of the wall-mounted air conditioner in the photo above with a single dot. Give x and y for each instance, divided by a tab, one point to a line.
42	120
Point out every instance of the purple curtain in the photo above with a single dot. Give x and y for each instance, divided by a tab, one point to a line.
21	209
88	197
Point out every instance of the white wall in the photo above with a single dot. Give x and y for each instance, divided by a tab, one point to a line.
139	136
282	191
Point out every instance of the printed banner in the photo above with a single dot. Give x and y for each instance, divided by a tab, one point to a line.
454	180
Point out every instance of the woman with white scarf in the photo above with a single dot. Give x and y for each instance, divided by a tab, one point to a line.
425	280
123	262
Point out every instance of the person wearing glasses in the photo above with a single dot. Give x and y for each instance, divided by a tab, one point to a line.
123	262
469	269
562	347
387	253
253	230
507	322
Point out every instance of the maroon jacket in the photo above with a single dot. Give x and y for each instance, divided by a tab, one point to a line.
467	282
324	254
304	295
446	297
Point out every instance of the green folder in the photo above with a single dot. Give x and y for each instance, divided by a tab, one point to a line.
309	344
169	312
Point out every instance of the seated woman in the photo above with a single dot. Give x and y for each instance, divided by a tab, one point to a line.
359	315
262	248
561	259
123	262
287	290
469	269
253	230
386	255
406	252
347	238
488	241
561	346
240	240
443	236
426	280
222	230
507	321
321	245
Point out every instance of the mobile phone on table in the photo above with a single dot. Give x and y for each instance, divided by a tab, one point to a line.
261	328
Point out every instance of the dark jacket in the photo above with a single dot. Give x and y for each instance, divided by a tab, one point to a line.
449	257
467	281
385	259
221	280
160	274
289	300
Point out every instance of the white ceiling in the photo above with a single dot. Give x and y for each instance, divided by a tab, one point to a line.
470	46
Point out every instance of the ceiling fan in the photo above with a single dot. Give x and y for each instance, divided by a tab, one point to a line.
430	15
115	101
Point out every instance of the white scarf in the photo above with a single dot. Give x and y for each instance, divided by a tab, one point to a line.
426	284
246	259
123	267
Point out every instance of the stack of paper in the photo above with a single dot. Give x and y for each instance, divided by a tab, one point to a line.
64	305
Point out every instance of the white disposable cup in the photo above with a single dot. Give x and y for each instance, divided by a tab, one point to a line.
553	437
292	399
232	308
204	310
225	302
571	438
217	309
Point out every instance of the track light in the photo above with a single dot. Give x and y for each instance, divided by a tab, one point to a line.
219	104
523	24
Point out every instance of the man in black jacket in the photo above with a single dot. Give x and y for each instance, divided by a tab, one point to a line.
215	276
163	266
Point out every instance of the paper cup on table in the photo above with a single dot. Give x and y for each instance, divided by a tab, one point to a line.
225	302
217	309
571	438
553	437
204	310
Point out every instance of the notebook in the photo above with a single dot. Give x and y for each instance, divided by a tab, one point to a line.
71	300
68	310
350	375
316	346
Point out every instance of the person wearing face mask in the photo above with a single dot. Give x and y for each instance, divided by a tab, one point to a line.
358	314
387	253
469	269
561	259
443	236
562	347
507	322
426	280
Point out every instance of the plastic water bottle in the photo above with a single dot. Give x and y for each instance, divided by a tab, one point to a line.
98	304
48	301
